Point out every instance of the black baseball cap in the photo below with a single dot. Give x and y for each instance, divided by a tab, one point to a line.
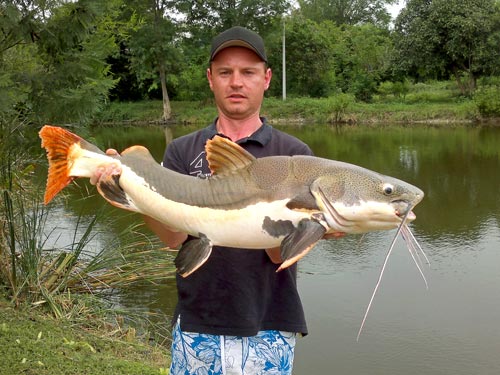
238	36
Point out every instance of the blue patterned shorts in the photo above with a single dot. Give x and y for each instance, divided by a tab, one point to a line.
269	353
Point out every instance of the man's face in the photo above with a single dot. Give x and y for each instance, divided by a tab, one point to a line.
238	79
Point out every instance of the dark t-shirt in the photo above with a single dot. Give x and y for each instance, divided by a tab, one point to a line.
237	292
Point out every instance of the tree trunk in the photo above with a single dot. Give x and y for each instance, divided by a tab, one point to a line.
466	81
167	111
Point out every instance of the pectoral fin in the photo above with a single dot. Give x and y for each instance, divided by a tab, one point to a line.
109	187
298	243
192	255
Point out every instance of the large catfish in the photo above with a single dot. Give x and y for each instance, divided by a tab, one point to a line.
287	201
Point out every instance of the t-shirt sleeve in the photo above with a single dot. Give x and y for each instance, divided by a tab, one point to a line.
303	149
290	145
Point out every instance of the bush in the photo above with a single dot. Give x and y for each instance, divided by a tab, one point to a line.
363	88
339	104
398	89
487	100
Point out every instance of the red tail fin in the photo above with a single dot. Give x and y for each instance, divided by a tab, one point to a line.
57	142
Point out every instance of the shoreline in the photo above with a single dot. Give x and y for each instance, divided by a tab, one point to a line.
304	112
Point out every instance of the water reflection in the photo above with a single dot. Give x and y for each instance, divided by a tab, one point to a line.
450	328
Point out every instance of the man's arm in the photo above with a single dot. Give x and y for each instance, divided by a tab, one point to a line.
169	237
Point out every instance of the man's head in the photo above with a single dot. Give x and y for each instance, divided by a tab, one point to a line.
238	36
238	74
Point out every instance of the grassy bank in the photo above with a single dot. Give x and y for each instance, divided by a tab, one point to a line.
34	343
437	103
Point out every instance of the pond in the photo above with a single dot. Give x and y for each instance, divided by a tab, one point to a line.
451	327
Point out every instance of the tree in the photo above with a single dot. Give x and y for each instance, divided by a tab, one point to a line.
212	16
347	12
65	77
441	38
308	55
19	29
361	59
152	47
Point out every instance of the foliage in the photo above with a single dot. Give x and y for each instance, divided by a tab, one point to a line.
398	89
74	46
38	274
361	60
18	61
347	12
59	60
487	100
146	111
308	55
205	19
339	106
441	38
332	109
65	76
193	84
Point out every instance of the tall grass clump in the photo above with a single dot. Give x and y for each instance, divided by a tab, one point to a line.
35	270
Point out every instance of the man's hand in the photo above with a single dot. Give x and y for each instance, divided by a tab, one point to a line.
107	170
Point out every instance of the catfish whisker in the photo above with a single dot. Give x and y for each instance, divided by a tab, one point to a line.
361	239
411	246
408	231
415	256
400	228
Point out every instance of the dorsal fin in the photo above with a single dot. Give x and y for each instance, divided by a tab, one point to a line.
224	156
138	152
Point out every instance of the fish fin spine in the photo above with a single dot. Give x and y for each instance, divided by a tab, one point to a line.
59	144
224	156
299	242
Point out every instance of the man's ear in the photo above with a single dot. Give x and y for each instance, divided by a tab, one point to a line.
269	75
209	77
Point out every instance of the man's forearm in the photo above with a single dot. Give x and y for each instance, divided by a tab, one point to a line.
169	237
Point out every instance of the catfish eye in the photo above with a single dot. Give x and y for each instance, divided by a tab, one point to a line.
388	189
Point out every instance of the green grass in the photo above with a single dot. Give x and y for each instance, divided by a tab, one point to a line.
432	102
34	343
150	111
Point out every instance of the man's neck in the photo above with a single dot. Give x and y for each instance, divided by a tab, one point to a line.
238	129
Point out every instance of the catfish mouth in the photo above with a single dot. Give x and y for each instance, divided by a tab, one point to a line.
403	210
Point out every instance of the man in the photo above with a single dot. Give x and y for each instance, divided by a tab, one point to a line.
235	314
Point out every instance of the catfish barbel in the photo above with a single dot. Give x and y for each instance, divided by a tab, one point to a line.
286	201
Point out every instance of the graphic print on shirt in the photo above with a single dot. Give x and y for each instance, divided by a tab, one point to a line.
196	166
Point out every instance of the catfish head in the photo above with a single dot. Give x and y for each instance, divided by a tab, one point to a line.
356	200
